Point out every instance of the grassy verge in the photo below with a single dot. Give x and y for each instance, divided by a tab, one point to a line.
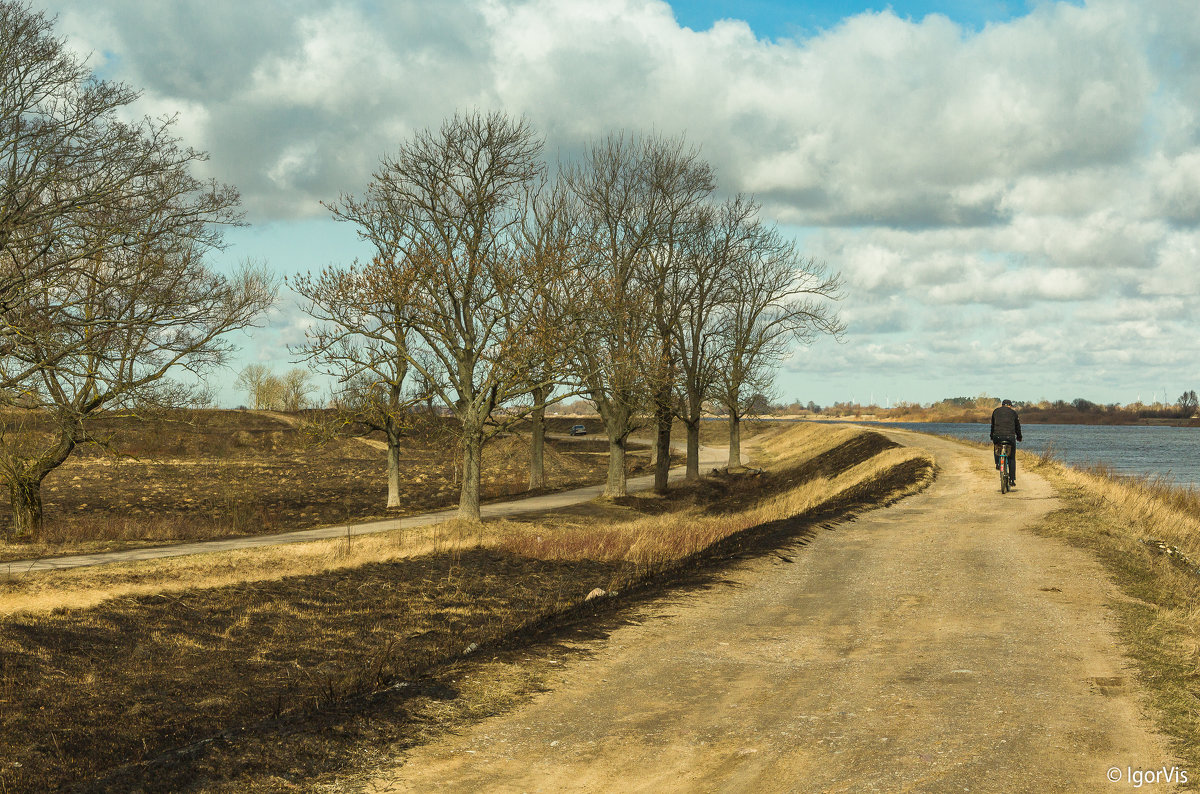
1159	612
183	675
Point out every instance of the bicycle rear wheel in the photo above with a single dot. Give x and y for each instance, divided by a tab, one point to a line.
1003	476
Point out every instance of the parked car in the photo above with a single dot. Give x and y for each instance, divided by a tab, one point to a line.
578	430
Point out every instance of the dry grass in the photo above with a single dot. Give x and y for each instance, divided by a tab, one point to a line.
1159	613
233	473
655	541
106	672
86	587
1153	506
801	442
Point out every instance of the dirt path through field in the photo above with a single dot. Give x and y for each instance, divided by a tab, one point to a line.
932	646
709	457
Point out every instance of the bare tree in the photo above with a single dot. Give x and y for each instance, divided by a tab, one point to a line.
271	393
681	181
297	386
451	203
553	276
267	391
610	360
253	380
776	299
161	310
631	191
723	236
73	170
103	286
363	339
1188	403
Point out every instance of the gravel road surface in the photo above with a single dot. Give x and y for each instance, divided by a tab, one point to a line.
937	645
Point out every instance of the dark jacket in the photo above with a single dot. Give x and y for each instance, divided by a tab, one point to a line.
1006	425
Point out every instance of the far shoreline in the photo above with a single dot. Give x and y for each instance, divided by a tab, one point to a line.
965	420
1033	417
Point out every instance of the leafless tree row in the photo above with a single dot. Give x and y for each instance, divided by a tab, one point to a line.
104	231
496	286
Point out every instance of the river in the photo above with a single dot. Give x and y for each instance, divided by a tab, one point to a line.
1159	451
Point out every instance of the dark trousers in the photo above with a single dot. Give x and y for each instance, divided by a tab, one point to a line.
1012	453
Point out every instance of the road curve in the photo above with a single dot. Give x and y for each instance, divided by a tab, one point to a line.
936	645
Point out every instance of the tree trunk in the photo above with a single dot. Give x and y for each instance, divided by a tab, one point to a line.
27	507
692	420
663	416
615	487
25	483
393	469
735	441
693	449
468	500
537	466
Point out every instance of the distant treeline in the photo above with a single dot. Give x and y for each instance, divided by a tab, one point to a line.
1079	411
961	409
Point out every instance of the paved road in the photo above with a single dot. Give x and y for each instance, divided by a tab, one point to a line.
936	645
709	457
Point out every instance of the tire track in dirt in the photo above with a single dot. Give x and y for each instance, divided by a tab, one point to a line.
931	646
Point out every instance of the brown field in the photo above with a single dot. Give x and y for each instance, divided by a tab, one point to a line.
270	669
215	474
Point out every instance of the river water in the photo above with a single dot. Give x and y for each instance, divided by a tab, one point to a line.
1159	451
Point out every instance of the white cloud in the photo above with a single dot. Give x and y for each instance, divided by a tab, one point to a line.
1008	189
293	163
1176	186
880	120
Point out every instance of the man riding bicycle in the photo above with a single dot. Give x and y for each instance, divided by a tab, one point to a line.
1006	429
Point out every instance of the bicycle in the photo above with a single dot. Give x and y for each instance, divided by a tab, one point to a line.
1006	452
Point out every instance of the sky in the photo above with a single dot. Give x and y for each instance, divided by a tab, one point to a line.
1010	188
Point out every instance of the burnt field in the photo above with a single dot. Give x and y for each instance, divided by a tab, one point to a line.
159	692
281	684
212	474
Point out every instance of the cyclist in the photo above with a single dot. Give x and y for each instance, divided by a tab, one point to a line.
1006	427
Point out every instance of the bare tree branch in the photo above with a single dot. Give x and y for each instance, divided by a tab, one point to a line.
103	233
636	194
446	214
776	299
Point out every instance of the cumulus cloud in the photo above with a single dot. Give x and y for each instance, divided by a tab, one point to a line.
880	120
1027	181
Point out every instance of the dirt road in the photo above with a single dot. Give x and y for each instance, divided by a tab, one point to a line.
932	646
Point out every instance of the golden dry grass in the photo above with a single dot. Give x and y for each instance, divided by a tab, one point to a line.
1159	611
611	536
801	442
1150	507
142	659
85	587
656	540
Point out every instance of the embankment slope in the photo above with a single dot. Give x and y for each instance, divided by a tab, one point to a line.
934	645
247	683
